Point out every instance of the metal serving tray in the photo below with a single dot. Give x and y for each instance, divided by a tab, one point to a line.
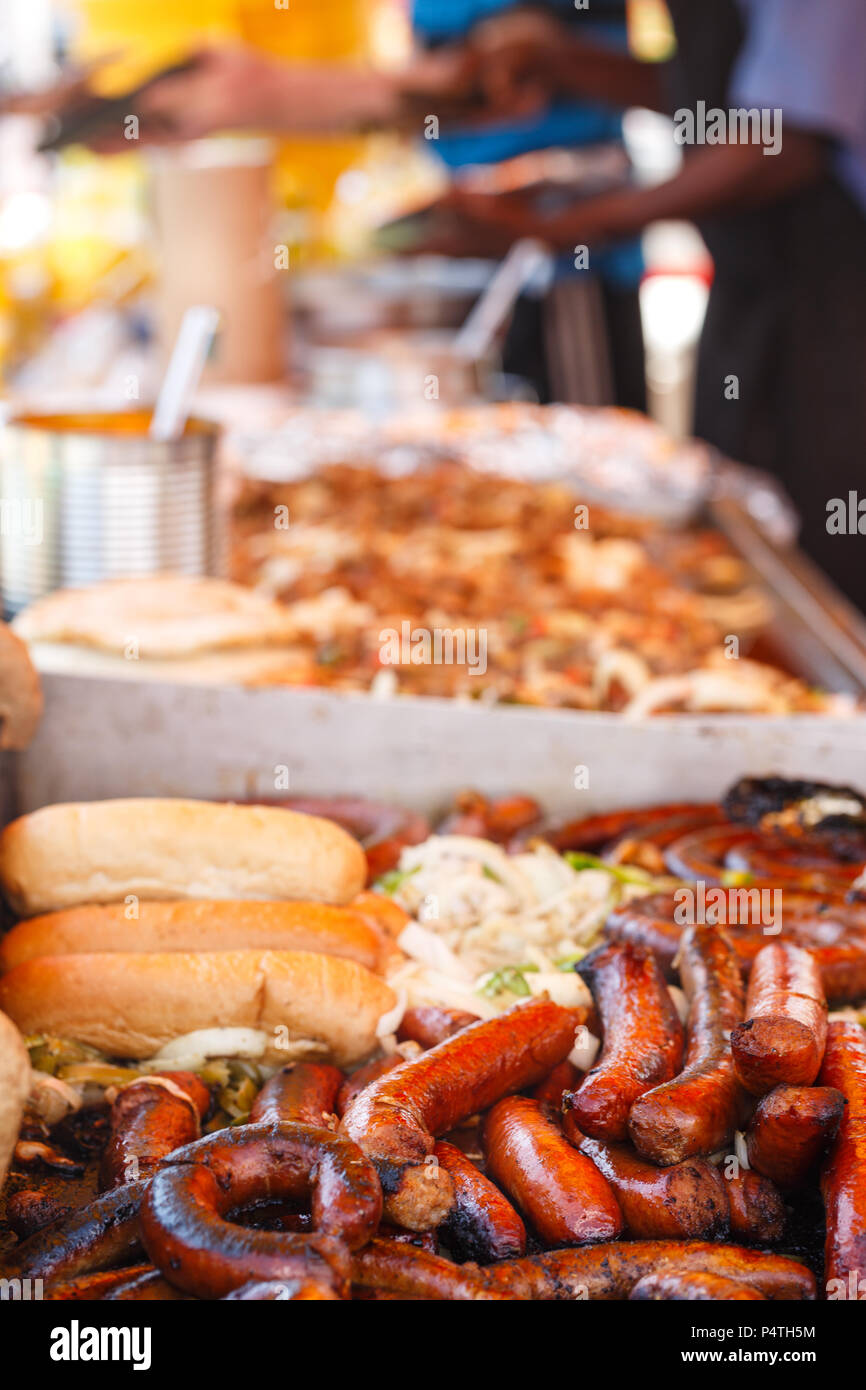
109	738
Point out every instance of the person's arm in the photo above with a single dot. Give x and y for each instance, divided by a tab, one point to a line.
713	180
531	49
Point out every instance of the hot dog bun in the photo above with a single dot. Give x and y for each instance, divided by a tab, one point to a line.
197	926
104	851
133	1005
14	1089
20	692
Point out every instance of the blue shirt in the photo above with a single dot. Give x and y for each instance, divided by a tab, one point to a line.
563	124
808	58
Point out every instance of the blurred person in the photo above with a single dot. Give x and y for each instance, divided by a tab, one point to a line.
781	380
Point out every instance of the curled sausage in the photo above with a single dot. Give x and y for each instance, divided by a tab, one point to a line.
643	1038
304	1093
149	1119
843	1176
698	1112
709	854
782	1039
691	1288
610	1272
430	1024
560	1191
757	1209
685	1201
395	1121
93	1238
791	1130
396	1268
482	1224
184	1223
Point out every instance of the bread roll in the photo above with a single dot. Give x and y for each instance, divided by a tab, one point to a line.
197	926
20	692
14	1089
104	851
133	1005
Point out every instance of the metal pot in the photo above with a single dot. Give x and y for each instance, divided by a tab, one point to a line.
85	497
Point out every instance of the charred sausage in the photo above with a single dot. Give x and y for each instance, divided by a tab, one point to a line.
791	1130
396	1120
698	1112
149	1119
691	1288
482	1224
643	1039
782	1040
396	1268
843	1176
560	1191
757	1209
305	1093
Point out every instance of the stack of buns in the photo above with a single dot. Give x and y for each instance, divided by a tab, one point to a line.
146	921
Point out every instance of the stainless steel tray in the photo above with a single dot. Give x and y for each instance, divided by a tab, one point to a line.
107	738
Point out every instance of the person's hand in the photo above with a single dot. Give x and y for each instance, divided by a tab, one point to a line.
518	55
227	89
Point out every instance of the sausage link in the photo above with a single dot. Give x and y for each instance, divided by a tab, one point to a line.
560	1191
698	1112
396	1120
92	1288
643	1038
757	1209
609	1272
831	929
32	1209
551	1090
843	1176
708	853
396	1268
594	832
95	1237
691	1288
149	1286
364	1077
149	1119
791	1130
684	1202
782	1040
303	1092
482	1224
184	1213
430	1024
283	1291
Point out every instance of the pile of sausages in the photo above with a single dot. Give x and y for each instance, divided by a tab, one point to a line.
478	1163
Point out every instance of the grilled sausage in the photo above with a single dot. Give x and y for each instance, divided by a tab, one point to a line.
782	1040
594	832
482	1224
610	1272
92	1288
149	1119
843	1176
832	930
791	1130
148	1286
710	853
183	1214
303	1092
683	1202
430	1024
643	1038
551	1090
757	1208
560	1191
395	1120
691	1288
396	1268
93	1238
699	1111
284	1291
364	1077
